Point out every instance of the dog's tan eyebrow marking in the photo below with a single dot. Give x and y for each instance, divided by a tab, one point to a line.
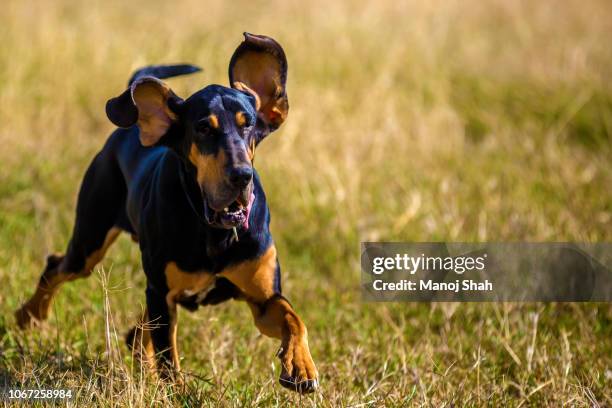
213	121
240	119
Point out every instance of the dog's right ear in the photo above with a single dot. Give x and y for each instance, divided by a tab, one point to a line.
259	68
147	103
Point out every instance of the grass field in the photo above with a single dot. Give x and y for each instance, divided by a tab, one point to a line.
424	121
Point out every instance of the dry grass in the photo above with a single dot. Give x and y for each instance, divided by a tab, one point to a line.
442	120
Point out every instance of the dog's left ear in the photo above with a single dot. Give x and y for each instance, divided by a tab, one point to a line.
259	67
147	102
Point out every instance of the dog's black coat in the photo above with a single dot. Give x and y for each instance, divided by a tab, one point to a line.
150	192
178	176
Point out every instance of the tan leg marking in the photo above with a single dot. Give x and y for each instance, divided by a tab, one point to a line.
39	305
181	284
278	319
96	256
255	278
142	344
173	331
274	317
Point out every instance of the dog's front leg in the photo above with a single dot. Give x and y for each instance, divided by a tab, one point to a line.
274	316
162	314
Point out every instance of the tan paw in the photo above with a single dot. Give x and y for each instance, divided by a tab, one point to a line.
298	370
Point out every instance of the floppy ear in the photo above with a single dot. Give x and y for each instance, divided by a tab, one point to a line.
145	102
259	67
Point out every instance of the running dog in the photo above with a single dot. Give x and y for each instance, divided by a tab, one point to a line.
178	176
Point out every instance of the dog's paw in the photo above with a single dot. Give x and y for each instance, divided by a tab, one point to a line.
298	370
25	319
303	387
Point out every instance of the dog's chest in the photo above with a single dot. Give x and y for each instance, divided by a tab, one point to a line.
182	284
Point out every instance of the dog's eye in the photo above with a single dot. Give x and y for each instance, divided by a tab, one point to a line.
202	126
207	124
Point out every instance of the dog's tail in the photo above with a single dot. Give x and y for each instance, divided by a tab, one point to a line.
164	71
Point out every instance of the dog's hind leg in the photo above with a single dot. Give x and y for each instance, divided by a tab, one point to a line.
100	204
55	273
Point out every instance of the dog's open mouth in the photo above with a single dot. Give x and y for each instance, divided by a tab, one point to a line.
234	215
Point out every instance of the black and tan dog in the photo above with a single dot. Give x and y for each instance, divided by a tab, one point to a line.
178	175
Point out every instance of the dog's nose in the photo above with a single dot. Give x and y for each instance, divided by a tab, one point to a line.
241	176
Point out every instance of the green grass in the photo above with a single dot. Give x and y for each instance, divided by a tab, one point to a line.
464	121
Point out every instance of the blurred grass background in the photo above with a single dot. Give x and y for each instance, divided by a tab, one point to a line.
426	121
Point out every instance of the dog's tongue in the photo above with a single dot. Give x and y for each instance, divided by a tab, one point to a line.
248	211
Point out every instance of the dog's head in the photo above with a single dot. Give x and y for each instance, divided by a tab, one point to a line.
217	128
